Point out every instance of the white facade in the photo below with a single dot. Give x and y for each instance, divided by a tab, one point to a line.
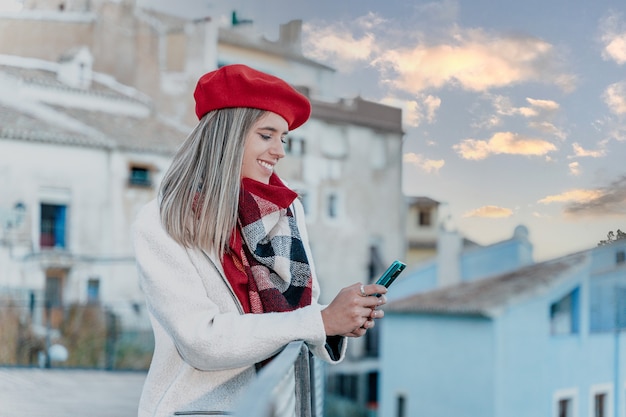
345	162
67	196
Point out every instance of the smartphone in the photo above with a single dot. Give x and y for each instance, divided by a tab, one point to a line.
390	275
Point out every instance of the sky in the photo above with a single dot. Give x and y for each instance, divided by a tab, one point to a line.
514	112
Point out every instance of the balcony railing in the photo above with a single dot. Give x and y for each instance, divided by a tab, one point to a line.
291	385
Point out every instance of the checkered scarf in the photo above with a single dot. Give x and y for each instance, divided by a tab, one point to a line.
266	252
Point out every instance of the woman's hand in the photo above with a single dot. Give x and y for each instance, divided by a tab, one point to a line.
353	310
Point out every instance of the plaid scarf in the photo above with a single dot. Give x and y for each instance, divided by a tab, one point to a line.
267	265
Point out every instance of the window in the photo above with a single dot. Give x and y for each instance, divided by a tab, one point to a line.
620	257
93	291
52	226
375	265
564	314
599	405
344	385
600	400
140	176
54	291
372	389
332	206
401	406
424	217
565	403
295	146
565	408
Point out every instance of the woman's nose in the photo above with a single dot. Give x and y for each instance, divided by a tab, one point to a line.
278	148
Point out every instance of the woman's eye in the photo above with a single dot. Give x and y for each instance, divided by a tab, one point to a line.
266	137
283	140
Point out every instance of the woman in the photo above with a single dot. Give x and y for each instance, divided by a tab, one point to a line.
223	254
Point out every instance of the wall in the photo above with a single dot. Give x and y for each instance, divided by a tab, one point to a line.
441	364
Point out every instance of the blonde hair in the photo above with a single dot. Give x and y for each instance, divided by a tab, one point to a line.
199	194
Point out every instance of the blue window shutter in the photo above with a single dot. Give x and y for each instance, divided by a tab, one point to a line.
59	226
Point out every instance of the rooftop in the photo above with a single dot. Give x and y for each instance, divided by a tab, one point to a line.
67	124
486	297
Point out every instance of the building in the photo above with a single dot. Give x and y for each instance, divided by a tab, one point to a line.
422	229
79	157
102	105
515	339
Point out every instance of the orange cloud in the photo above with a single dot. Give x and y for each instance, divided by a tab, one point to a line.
414	112
579	151
608	200
572	196
614	39
503	143
574	168
471	59
490	212
428	165
615	97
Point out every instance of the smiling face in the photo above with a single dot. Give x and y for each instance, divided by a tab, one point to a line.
264	147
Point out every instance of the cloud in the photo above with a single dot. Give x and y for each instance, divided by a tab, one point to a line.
546	105
579	151
572	196
471	59
345	45
615	97
613	38
548	128
539	112
503	143
618	133
419	161
609	200
414	112
574	168
490	212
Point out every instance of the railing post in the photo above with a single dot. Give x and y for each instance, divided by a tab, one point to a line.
284	387
304	389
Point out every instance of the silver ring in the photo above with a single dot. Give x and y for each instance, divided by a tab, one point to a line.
363	291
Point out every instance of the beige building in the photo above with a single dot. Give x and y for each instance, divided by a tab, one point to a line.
101	106
422	229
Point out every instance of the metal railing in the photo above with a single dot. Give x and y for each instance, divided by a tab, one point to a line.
289	386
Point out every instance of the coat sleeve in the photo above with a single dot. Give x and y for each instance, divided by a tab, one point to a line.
190	307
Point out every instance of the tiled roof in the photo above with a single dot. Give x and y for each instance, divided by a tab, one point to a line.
422	201
17	125
48	79
100	129
131	133
486	297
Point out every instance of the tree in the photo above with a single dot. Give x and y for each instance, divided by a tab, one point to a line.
612	237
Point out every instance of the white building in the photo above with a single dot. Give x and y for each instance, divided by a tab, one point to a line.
87	133
77	160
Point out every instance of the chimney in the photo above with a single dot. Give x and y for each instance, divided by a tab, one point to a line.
291	36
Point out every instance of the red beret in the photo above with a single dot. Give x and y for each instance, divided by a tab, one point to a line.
241	86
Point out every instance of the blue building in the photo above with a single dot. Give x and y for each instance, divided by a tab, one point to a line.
502	336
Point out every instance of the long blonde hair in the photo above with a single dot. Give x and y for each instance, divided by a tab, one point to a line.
199	194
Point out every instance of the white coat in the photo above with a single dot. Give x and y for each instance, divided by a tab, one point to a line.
205	347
